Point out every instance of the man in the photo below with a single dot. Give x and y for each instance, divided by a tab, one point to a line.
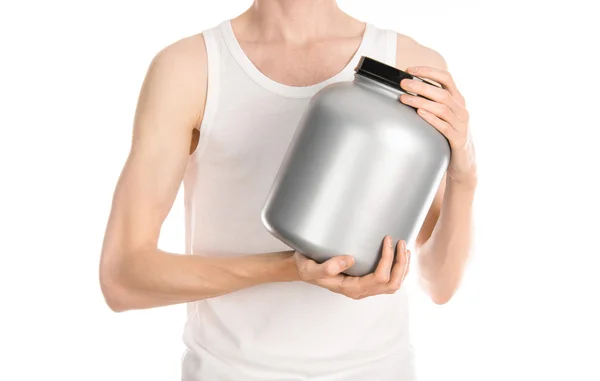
217	111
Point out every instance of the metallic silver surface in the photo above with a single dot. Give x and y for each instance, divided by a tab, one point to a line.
361	165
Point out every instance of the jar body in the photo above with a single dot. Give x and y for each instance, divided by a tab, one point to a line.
361	165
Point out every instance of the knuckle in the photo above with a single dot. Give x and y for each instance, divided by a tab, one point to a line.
446	112
357	293
303	275
305	268
446	95
344	288
443	128
301	269
409	99
305	272
330	269
449	130
347	290
382	278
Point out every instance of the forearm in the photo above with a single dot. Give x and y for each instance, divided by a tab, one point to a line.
153	278
443	257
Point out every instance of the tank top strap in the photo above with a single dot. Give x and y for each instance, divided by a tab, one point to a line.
213	53
391	46
381	45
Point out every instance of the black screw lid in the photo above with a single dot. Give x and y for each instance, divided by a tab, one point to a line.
385	74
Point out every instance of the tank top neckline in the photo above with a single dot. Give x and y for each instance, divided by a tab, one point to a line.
279	88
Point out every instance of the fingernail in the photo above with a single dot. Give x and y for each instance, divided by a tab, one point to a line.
390	241
403	245
413	69
343	263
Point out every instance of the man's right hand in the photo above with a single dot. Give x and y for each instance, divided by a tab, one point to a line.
387	278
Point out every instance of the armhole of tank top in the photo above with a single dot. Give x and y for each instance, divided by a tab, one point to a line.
392	44
212	90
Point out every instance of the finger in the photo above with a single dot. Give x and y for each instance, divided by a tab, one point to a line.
407	265
435	94
384	267
337	283
443	77
329	268
441	125
400	266
440	110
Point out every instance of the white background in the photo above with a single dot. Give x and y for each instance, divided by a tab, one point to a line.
528	308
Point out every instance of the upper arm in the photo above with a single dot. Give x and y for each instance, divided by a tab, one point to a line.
169	108
409	52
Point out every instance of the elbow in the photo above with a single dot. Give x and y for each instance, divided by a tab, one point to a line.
444	292
439	292
115	293
441	298
441	286
114	297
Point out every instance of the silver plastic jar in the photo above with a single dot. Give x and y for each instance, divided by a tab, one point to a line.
361	165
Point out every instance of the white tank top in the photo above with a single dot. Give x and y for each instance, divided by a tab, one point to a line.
277	331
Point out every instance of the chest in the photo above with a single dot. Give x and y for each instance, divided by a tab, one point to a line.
301	65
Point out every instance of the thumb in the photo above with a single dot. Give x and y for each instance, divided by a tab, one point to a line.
336	265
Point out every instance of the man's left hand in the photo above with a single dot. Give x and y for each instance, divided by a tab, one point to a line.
445	110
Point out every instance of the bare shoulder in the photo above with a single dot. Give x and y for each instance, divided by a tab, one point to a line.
409	52
177	78
187	54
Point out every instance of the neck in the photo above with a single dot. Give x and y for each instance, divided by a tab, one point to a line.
292	21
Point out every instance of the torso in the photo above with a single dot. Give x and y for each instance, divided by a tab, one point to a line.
279	331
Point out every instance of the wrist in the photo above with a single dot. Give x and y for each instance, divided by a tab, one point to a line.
273	267
284	267
467	184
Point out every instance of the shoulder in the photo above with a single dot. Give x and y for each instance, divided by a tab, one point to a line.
185	58
178	75
410	52
186	53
